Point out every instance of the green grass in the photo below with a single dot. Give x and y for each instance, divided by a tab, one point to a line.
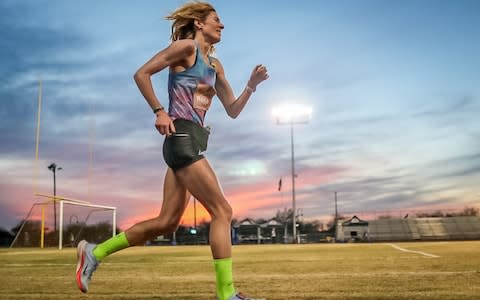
317	271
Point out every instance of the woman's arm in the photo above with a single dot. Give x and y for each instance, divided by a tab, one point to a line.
233	106
176	55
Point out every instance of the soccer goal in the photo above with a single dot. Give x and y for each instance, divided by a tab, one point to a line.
77	220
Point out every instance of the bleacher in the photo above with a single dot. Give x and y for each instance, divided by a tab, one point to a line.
444	228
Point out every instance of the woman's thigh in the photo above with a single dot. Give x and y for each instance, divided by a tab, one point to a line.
200	180
175	197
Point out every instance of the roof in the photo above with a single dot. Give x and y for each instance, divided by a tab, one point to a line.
273	222
251	222
246	222
355	221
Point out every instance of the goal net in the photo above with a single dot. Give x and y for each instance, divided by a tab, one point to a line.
75	220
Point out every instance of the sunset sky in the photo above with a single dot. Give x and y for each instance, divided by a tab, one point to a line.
394	87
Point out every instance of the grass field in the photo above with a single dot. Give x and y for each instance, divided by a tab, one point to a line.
316	271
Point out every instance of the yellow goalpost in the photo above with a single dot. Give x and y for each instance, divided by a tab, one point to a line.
60	199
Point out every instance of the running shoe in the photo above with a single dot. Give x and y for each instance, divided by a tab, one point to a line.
86	265
240	296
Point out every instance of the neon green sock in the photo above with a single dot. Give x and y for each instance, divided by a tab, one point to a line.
110	246
223	272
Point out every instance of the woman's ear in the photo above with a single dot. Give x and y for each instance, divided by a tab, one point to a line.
198	24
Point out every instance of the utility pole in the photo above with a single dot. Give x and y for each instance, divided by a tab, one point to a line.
336	217
336	210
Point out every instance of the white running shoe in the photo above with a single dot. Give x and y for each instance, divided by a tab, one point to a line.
86	264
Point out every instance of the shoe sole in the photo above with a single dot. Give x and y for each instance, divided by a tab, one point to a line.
80	263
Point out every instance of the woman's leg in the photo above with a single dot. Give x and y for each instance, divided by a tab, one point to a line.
175	201
201	181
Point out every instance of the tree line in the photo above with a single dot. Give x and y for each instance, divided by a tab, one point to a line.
96	233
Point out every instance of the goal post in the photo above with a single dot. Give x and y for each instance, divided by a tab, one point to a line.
101	207
26	220
33	231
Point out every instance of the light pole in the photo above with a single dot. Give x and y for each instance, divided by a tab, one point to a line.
53	167
292	115
195	213
193	230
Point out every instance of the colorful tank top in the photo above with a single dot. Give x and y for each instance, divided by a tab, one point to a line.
190	92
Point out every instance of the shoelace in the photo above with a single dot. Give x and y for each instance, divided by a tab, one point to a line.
93	268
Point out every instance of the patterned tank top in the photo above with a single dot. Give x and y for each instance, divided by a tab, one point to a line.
190	92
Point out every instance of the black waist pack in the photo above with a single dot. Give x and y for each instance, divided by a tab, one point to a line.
186	145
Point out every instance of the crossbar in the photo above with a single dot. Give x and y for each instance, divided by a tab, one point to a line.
60	198
88	204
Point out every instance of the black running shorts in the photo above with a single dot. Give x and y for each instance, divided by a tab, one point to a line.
186	146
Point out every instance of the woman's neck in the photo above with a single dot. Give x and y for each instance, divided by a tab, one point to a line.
204	46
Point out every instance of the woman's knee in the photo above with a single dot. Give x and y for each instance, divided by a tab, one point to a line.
162	226
169	226
222	211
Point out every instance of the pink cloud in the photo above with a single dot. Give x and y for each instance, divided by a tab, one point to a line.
319	175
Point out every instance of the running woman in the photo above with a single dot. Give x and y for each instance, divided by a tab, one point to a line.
195	77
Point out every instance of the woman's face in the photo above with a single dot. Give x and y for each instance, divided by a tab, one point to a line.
212	28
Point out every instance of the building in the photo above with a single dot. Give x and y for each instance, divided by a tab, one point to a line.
247	231
408	229
353	230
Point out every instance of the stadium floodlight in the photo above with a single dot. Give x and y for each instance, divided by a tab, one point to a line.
292	114
53	167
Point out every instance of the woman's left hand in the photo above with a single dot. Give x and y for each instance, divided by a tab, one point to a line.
258	75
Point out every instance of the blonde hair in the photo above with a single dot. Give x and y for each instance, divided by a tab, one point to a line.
184	17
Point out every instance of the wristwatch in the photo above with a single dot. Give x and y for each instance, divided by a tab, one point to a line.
157	109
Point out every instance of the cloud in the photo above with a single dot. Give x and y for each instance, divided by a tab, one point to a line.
457	106
381	135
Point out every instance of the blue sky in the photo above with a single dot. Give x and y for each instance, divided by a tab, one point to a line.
394	88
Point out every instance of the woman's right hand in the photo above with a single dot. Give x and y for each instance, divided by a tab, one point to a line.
164	123
258	75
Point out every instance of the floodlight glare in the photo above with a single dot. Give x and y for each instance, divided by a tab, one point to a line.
292	113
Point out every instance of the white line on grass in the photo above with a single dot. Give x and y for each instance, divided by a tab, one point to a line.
412	251
69	264
37	265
